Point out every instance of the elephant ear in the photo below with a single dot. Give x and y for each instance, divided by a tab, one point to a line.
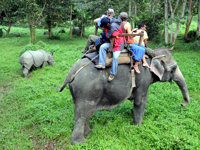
162	66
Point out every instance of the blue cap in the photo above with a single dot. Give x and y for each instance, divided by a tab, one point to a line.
104	21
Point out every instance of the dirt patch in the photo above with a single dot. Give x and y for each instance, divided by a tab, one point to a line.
48	145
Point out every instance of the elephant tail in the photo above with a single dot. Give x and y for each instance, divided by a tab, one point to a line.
66	81
76	68
70	78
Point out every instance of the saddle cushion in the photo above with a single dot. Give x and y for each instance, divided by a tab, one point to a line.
124	58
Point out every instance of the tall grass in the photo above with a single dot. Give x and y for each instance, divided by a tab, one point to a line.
33	115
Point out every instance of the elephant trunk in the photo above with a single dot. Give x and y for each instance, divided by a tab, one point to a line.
180	81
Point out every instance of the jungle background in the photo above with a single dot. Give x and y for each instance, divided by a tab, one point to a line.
34	115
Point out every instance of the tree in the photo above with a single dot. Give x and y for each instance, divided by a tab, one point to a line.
10	13
152	17
135	13
71	10
166	22
172	18
173	11
179	21
34	12
55	14
198	25
189	18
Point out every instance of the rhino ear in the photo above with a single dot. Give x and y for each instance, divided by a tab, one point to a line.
51	53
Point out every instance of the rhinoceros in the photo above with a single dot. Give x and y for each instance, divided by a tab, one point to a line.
92	92
34	59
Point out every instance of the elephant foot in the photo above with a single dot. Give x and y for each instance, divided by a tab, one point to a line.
87	131
77	140
136	123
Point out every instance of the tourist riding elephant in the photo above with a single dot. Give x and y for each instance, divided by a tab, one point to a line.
92	92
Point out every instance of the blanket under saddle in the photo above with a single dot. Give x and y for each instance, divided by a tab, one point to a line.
160	64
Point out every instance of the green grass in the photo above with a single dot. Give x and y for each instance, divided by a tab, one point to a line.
33	115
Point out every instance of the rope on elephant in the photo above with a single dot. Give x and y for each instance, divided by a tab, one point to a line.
83	67
132	82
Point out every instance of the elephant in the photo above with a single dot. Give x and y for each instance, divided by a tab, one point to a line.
92	92
34	59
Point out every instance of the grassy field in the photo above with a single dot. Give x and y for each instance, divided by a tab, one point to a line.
33	115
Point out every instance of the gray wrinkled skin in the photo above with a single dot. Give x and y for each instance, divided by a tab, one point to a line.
91	92
34	59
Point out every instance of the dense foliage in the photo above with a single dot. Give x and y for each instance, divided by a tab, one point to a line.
35	116
81	13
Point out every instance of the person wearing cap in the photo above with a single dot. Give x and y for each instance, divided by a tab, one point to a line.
113	29
110	14
92	38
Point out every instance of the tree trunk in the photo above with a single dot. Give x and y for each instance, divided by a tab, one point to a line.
8	31
166	22
32	29
70	35
129	12
82	29
178	24
189	19
198	26
32	32
172	18
135	13
49	30
152	7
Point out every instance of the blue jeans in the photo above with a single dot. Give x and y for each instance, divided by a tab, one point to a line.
102	57
102	53
115	62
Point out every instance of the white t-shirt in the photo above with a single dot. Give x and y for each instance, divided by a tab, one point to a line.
137	38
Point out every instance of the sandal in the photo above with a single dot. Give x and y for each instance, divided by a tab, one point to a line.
111	77
99	66
146	65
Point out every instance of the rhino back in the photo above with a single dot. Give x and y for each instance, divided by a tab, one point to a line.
38	58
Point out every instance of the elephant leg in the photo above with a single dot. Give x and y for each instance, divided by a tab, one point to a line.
25	72
81	127
139	108
87	129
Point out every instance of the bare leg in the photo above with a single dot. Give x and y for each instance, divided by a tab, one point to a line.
136	67
145	64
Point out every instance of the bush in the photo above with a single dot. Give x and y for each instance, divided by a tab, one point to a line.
37	46
194	45
191	36
54	37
